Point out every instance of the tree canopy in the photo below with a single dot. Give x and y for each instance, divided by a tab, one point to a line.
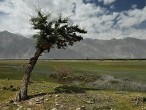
59	32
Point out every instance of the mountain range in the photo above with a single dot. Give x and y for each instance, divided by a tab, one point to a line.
14	46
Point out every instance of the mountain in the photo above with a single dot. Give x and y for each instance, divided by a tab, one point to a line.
14	46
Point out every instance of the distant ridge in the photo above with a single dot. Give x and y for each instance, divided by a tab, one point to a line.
14	46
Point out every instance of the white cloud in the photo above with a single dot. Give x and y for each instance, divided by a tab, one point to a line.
132	17
107	2
98	22
18	16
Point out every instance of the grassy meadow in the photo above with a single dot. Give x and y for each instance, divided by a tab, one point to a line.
113	85
133	70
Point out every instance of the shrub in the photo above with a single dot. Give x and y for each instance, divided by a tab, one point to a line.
62	73
4	88
11	86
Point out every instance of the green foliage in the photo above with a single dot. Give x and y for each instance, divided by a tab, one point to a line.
59	32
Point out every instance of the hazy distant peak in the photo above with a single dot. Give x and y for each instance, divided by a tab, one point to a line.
17	46
5	32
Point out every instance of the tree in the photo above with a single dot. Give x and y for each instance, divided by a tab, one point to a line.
57	33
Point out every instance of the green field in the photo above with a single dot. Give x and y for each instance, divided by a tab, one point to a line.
11	72
133	70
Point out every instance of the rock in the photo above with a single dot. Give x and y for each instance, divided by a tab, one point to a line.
50	95
40	102
46	99
37	99
78	109
41	98
54	108
57	104
15	103
61	106
19	107
83	108
89	102
57	95
29	109
40	92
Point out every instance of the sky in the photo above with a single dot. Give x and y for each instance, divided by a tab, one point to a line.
103	19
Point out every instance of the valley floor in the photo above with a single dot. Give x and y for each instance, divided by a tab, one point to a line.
96	85
53	96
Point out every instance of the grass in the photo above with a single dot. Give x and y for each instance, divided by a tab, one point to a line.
90	99
133	70
11	73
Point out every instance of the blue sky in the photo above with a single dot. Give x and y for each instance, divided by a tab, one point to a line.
103	19
119	5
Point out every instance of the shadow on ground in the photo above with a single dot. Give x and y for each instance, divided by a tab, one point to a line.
72	89
65	89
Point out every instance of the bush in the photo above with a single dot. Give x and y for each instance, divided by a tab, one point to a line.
4	88
62	73
11	86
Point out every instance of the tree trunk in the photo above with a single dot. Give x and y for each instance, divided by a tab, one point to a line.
22	94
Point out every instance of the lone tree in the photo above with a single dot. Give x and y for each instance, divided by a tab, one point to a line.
59	33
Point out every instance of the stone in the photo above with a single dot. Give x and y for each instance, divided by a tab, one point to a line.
40	102
54	108
50	95
89	102
46	99
41	98
83	108
57	104
37	99
57	95
15	103
78	109
61	106
19	108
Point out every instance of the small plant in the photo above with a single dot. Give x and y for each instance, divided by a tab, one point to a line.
14	89
4	88
11	86
114	81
